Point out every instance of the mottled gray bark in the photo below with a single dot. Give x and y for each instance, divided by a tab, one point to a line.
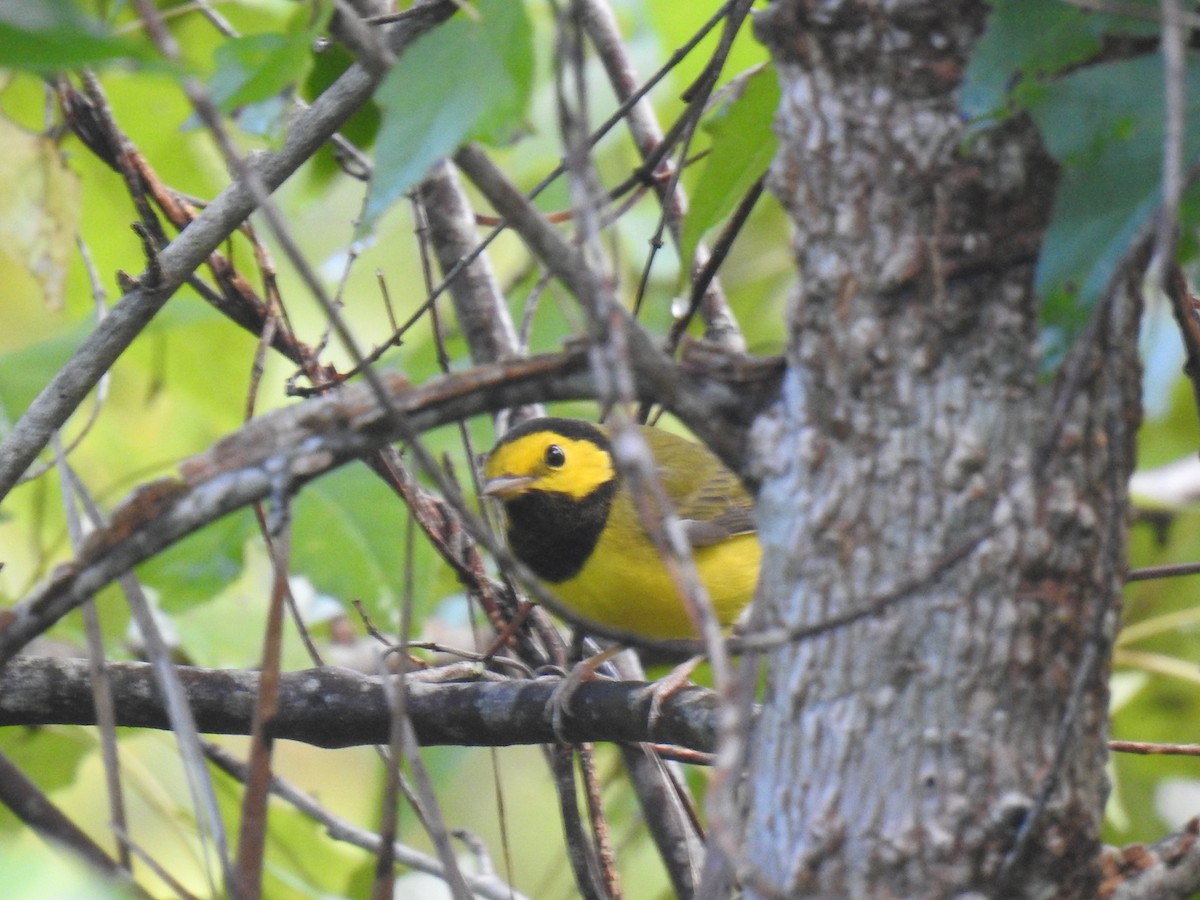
952	739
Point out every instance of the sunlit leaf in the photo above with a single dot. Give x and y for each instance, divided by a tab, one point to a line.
468	79
1123	687
743	145
37	869
39	209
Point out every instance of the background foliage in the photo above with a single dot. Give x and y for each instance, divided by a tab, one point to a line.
185	382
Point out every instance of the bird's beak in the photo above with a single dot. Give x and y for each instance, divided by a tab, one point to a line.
504	486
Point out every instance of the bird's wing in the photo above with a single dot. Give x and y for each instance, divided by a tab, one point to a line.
706	532
716	511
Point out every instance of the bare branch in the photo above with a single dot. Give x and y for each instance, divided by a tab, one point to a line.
601	25
287	447
335	707
656	373
478	300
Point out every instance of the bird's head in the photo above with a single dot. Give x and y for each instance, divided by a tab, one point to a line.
554	456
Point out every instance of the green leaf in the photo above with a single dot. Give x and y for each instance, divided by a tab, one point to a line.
26	370
743	145
1105	125
1027	40
469	79
360	129
1024	38
36	869
51	35
258	67
50	755
255	71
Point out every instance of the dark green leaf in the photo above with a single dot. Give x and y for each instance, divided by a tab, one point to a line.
1029	40
361	128
1105	125
469	79
1025	38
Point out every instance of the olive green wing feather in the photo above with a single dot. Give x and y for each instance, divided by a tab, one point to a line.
708	497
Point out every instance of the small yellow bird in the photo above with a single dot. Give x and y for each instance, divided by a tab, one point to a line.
572	521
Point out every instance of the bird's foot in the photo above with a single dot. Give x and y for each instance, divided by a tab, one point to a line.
670	684
560	700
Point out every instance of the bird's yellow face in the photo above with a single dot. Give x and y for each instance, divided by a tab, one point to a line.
547	461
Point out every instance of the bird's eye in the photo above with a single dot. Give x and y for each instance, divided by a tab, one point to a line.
555	457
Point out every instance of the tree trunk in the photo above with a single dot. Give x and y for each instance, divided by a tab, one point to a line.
964	523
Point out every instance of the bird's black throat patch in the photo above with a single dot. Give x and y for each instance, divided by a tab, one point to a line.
554	534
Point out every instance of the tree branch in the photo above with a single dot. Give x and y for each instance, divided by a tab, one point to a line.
279	451
478	299
334	707
1168	868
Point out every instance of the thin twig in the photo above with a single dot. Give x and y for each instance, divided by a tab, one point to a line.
1174	570
253	832
101	688
1151	748
580	851
1173	45
178	714
601	833
707	271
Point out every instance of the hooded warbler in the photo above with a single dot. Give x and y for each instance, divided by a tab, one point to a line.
572	521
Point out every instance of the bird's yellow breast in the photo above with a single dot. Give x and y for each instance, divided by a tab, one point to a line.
624	585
